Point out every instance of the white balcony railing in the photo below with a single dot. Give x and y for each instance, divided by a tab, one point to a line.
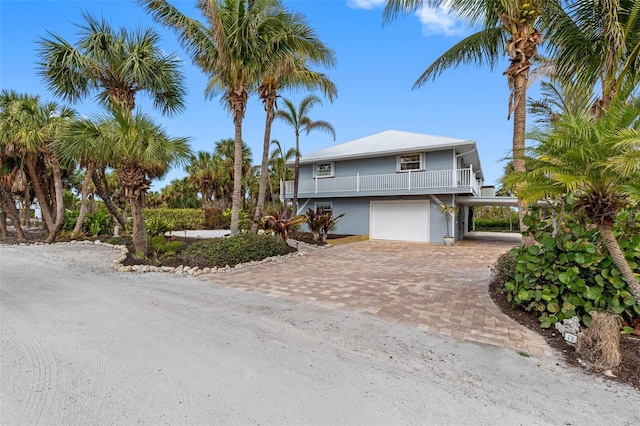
405	182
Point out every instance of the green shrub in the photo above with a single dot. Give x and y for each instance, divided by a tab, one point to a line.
231	251
97	223
69	220
157	226
214	218
493	225
162	245
571	273
504	270
181	219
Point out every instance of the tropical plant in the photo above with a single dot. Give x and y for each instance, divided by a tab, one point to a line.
280	224
449	214
299	119
114	65
595	42
596	161
329	222
314	223
204	172
157	226
231	52
568	271
180	194
29	129
137	148
507	27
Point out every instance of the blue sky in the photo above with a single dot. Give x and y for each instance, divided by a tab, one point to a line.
376	67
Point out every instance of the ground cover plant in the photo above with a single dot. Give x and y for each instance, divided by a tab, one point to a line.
569	273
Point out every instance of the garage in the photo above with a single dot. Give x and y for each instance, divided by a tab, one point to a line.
399	220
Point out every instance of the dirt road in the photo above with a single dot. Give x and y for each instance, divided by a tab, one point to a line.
83	345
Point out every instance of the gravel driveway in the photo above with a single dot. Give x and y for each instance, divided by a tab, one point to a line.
81	344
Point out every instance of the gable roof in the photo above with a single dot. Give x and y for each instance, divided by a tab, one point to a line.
389	142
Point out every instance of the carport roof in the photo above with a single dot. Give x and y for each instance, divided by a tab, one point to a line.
488	201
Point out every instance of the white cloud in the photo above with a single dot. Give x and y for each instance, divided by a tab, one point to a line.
365	4
438	21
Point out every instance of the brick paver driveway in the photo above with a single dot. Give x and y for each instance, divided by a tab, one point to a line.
435	288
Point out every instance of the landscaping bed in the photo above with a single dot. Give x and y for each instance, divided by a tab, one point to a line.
627	372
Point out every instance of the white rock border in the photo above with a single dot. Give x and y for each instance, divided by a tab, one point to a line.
182	269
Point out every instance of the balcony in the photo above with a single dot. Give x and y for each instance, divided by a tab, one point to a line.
459	181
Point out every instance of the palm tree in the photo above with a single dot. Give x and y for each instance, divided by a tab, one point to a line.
300	121
289	70
203	173
231	51
594	159
596	42
279	170
508	26
114	65
31	127
137	148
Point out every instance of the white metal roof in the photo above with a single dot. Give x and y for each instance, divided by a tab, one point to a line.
387	142
392	142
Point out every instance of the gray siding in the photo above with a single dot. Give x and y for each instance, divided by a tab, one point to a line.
357	215
435	160
356	218
440	160
438	220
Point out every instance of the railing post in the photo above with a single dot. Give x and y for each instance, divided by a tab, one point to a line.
409	180
454	175
358	182
316	184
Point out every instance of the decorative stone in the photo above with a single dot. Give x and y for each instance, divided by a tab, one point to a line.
569	329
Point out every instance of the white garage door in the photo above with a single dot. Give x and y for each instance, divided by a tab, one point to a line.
399	220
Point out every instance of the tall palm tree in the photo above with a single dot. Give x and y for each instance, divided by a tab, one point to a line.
299	119
288	69
114	65
231	50
137	148
279	170
595	159
508	27
595	42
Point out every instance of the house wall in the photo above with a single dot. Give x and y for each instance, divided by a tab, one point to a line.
357	215
434	160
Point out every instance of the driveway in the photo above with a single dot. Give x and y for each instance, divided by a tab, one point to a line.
81	344
438	289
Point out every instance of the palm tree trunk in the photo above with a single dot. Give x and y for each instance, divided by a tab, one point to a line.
519	127
612	245
236	200
139	231
83	202
45	208
4	232
264	168
9	208
106	198
59	201
296	176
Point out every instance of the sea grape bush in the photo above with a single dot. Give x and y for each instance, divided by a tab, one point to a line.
570	273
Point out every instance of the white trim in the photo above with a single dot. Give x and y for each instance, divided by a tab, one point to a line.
421	165
332	166
324	204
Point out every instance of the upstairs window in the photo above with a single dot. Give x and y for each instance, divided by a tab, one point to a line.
323	170
410	162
